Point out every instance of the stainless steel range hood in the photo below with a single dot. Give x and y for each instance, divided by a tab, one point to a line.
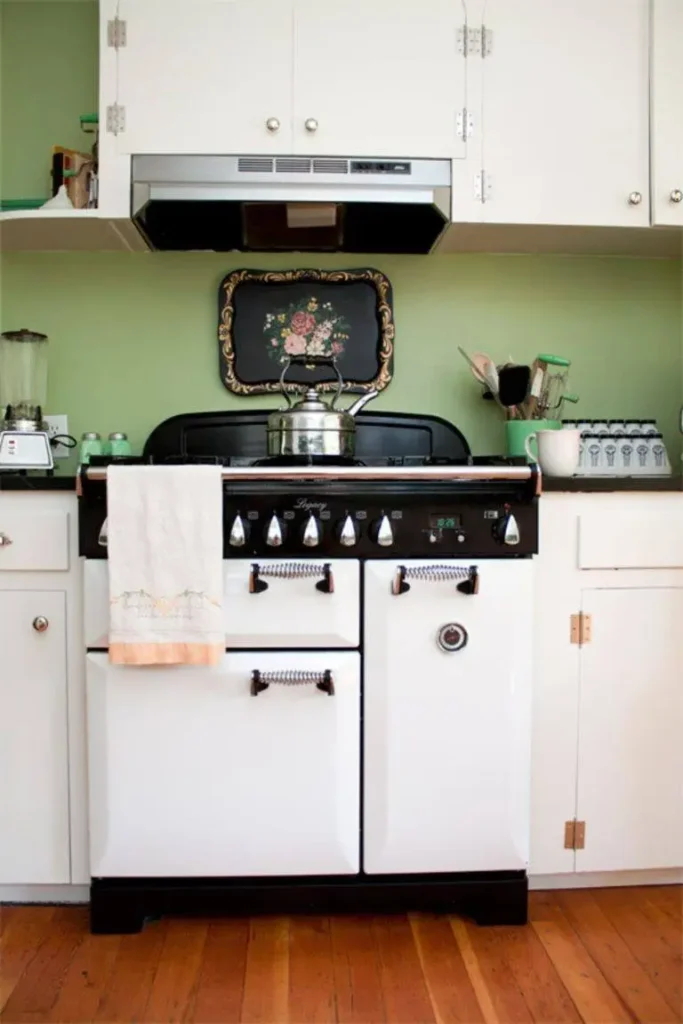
285	204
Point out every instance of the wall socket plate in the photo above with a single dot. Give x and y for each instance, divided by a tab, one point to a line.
58	425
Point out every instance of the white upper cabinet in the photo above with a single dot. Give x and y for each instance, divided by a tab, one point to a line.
378	78
211	76
560	108
667	112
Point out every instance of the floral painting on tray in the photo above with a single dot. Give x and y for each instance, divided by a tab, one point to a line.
267	317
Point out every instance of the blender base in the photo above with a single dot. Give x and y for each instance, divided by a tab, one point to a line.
25	450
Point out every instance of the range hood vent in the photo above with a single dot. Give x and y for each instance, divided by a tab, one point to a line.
291	203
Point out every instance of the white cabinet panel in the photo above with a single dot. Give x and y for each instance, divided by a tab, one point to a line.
290	613
667	112
380	78
190	775
562	104
645	537
33	541
447	735
630	764
34	796
204	77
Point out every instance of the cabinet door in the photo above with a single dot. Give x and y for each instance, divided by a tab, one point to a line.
447	734
667	119
192	775
204	76
380	78
564	113
630	761
34	798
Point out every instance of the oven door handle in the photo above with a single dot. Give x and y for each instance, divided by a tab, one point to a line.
291	571
260	681
469	577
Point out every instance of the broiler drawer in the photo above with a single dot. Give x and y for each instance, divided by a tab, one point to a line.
290	611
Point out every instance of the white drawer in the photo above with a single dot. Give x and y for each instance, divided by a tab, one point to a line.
290	613
647	538
36	542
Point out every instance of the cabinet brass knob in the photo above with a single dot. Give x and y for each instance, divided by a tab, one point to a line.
40	623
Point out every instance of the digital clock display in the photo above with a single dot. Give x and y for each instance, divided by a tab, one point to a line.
440	521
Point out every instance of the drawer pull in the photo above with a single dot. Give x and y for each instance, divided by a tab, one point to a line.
41	624
291	571
469	578
5	541
260	681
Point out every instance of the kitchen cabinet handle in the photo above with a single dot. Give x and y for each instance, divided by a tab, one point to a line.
635	198
41	624
291	571
311	124
676	195
260	681
469	577
5	541
273	125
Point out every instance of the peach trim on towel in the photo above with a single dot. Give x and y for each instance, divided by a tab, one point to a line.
166	654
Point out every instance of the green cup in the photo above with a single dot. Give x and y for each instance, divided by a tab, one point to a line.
517	431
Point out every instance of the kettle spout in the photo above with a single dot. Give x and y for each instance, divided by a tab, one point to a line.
361	402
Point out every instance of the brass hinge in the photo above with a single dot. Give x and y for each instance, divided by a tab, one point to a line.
580	628
574	834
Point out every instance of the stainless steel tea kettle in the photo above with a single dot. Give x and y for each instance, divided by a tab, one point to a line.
311	426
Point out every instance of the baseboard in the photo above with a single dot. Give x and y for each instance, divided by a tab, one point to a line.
606	879
582	880
44	893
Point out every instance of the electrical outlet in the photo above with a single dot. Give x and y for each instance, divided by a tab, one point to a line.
58	425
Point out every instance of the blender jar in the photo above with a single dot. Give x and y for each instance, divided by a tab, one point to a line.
23	378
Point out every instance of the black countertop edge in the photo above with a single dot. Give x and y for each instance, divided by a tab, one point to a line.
36	482
607	484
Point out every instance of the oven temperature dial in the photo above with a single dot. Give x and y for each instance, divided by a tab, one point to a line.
382	533
506	530
275	532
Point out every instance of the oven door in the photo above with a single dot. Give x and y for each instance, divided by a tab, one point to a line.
447	718
193	773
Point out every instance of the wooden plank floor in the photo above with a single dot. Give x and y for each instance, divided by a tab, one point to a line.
600	956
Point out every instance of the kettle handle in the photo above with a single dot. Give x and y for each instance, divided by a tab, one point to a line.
312	361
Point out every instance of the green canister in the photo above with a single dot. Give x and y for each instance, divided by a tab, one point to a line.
118	445
91	444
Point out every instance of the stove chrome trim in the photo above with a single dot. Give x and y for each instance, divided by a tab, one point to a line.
379	473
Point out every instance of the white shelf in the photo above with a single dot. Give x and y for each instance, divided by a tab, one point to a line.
67	231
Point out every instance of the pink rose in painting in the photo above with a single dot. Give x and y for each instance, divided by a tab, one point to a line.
303	323
273	341
295	345
337	347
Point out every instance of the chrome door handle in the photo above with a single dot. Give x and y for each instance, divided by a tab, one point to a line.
41	624
291	571
260	681
5	541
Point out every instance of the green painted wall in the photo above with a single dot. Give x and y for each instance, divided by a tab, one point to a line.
48	78
133	336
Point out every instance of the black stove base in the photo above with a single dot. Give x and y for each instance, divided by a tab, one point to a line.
120	905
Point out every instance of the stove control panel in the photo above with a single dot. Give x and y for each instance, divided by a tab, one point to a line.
408	527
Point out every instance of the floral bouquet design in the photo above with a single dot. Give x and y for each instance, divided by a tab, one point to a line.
305	328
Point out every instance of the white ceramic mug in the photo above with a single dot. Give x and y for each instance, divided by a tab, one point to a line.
558	451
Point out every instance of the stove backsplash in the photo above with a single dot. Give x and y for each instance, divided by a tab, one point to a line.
133	336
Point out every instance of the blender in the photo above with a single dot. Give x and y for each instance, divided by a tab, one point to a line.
24	440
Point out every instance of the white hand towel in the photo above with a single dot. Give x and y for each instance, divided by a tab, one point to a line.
165	545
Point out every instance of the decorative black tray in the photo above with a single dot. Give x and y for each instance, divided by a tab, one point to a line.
267	316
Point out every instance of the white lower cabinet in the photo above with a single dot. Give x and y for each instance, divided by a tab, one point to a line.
630	750
192	775
34	777
447	735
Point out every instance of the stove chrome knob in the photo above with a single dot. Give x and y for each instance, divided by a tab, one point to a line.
384	535
508	530
238	533
347	535
274	533
311	535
